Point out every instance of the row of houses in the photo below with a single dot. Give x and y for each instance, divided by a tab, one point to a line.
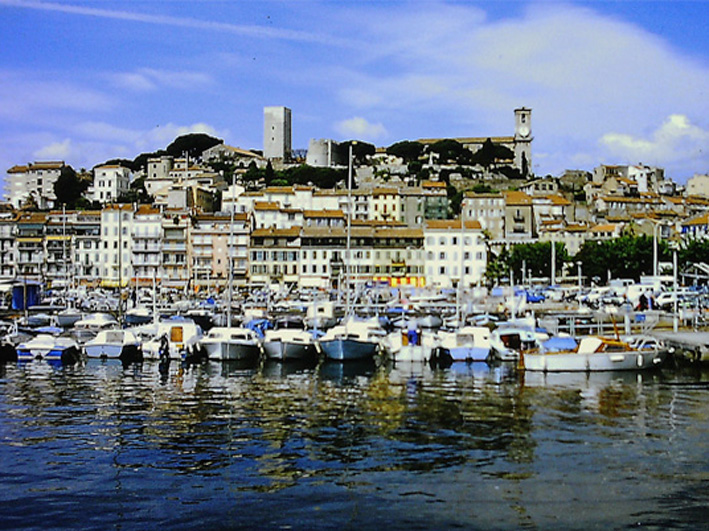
123	245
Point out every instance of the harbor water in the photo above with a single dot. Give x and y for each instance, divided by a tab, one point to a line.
350	446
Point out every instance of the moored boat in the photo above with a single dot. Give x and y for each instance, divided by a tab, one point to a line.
289	340
596	353
469	343
181	337
50	348
352	340
115	344
231	343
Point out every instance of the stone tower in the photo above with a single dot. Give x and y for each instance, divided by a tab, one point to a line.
277	133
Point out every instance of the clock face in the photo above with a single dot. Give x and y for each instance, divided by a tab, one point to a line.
524	131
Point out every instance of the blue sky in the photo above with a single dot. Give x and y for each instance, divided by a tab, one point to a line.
608	82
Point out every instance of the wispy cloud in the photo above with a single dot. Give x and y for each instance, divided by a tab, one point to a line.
25	95
149	79
261	32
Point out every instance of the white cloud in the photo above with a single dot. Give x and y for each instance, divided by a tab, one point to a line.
55	151
360	128
446	69
675	141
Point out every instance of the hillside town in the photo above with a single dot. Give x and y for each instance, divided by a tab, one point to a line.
427	221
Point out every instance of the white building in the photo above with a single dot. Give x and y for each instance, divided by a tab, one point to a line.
33	182
147	245
324	153
110	182
117	242
450	250
277	133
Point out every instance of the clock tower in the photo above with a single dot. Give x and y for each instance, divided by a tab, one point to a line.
523	140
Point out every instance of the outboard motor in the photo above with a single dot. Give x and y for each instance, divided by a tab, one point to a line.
164	355
440	358
8	353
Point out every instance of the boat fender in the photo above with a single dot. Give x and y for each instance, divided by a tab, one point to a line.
640	360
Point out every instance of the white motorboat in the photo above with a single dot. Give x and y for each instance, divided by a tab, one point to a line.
115	344
96	322
50	348
411	345
507	343
68	317
469	343
181	335
595	353
231	343
353	340
289	340
138	316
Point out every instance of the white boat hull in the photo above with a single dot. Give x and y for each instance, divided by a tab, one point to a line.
597	361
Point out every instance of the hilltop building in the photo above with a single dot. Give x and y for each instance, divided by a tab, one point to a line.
277	133
33	182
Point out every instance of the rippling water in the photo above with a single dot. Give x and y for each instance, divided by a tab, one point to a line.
224	446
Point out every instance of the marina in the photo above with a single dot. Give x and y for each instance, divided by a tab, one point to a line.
436	417
243	444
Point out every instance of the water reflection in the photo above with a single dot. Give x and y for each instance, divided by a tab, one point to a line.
234	429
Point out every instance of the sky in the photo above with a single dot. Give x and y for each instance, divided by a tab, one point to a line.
608	82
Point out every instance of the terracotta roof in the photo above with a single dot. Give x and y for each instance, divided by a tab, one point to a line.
452	224
266	205
609	227
291	232
517	198
701	220
323	214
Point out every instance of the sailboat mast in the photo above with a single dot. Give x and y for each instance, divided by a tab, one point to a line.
229	251
349	231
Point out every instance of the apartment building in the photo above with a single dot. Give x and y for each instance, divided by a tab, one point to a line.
176	251
33	183
212	249
274	255
8	259
29	241
488	209
117	245
147	235
58	249
453	253
519	217
86	246
110	182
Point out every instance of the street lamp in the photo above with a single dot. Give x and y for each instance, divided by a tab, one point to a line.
578	264
654	248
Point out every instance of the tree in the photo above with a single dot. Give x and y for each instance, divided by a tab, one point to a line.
455	200
498	266
68	188
360	150
193	143
625	257
448	150
536	258
406	149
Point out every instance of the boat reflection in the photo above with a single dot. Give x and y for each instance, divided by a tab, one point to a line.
274	369
345	372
